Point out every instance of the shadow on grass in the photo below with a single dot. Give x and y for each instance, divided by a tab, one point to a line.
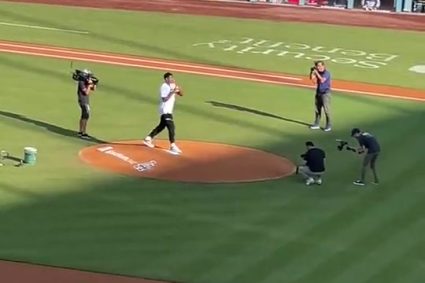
143	227
139	96
50	127
255	111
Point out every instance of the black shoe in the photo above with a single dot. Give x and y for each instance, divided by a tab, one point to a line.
80	134
358	183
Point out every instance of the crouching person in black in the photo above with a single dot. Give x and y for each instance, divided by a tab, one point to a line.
314	166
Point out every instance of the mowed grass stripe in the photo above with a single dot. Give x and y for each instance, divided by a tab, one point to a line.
380	260
407	266
257	251
375	206
118	224
286	256
367	244
241	228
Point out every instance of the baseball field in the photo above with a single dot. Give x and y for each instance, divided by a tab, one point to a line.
230	208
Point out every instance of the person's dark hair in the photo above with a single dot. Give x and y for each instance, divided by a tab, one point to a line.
355	131
309	143
318	62
167	75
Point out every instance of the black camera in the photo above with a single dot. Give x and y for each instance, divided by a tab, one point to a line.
84	76
343	144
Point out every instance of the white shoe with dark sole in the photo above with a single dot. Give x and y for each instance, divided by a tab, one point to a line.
358	183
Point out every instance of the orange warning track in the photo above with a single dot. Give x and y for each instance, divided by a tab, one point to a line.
215	71
200	162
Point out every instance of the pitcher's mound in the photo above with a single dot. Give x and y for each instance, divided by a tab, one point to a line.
199	162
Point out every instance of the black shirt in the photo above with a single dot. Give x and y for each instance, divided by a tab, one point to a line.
315	158
82	97
369	141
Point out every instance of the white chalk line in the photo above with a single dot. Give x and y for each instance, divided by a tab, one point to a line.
174	69
148	61
42	28
177	69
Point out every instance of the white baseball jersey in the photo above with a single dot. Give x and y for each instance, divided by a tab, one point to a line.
166	107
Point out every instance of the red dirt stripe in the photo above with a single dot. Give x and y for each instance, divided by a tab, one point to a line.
16	272
215	71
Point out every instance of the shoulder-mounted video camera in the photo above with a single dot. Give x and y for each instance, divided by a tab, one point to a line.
84	76
344	145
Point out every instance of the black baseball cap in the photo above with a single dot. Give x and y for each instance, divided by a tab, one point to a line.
309	143
355	131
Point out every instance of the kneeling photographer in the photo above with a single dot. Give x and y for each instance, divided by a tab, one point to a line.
314	166
87	83
371	148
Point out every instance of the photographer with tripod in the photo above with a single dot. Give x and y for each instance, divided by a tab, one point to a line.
314	166
86	84
322	78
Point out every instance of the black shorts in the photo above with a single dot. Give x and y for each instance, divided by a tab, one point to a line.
85	111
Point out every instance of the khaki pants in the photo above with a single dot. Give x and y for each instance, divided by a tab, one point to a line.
307	173
323	101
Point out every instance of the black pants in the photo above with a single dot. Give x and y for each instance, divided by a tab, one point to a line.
166	121
85	111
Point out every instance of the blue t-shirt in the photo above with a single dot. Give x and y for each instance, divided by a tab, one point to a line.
325	87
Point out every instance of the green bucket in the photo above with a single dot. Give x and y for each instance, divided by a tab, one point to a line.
30	155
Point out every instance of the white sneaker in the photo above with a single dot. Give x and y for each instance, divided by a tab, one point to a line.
315	127
174	148
309	181
148	142
318	181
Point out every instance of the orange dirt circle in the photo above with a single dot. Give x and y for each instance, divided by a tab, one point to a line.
199	162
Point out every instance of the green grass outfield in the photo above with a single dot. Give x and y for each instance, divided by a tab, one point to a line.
173	36
64	213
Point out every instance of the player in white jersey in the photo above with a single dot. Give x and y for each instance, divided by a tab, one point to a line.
168	92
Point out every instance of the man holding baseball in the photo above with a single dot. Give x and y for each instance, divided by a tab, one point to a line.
83	91
371	148
322	78
168	92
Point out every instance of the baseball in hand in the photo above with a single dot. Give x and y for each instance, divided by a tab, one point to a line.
179	91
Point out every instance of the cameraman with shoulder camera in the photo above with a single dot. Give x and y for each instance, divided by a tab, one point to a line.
371	148
322	78
85	87
314	166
